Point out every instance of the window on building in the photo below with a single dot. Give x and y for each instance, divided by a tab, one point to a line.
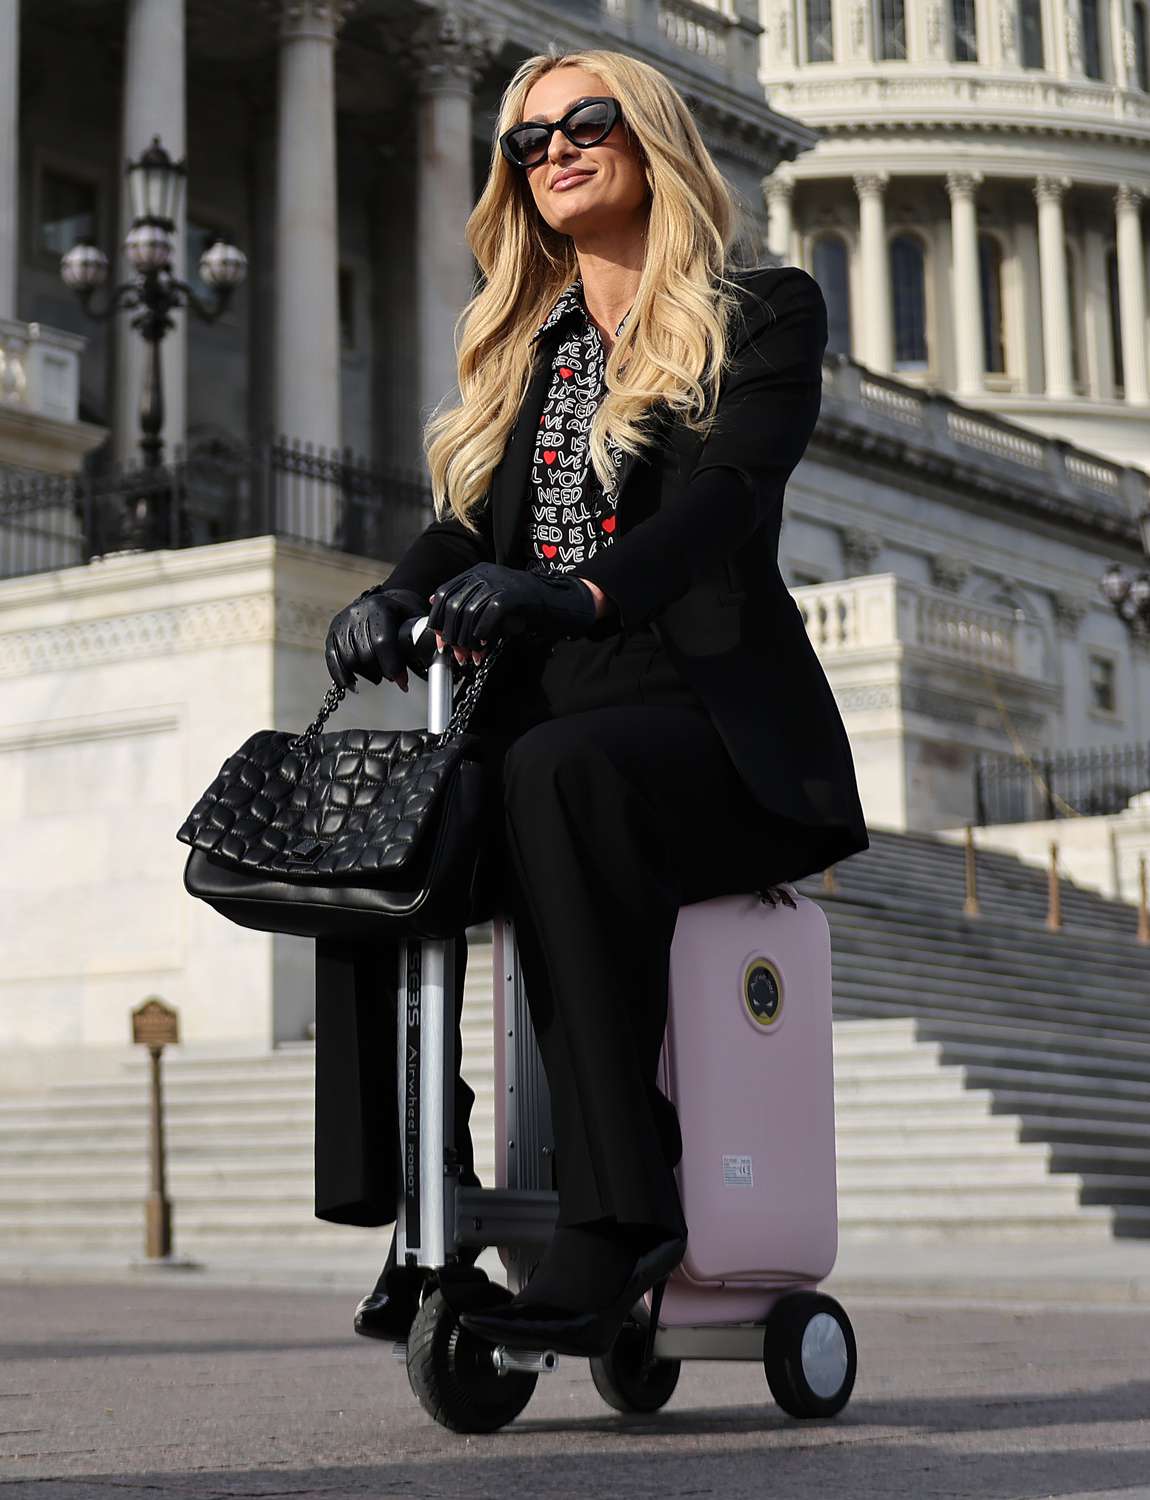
68	211
830	267
347	328
890	30
990	277
908	302
1091	39
820	31
801	578
1103	688
1115	304
1072	306
1141	19
1031	48
964	16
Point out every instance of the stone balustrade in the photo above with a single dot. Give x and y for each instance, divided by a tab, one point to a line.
881	612
40	369
1045	470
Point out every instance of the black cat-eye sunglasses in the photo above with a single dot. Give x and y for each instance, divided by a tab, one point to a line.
586	123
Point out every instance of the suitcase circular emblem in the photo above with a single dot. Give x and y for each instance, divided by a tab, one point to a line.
762	991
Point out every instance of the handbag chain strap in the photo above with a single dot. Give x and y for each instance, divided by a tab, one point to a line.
460	714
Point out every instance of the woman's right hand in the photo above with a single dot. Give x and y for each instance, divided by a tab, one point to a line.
363	639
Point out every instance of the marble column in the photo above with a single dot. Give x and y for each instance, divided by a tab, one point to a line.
307	347
154	103
1048	193
966	286
1068	52
9	154
779	193
448	51
1132	291
877	330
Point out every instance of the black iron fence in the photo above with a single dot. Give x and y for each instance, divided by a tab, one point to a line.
218	493
1059	783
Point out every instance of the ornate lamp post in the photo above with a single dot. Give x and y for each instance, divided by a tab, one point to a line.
156	183
1130	597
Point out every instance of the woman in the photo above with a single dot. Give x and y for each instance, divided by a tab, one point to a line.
615	474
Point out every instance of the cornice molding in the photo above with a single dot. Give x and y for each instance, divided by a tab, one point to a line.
242	620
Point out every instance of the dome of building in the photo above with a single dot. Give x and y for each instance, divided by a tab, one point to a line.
974	208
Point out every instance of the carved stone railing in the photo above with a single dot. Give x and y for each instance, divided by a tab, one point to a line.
881	611
722	34
931	427
847	95
39	370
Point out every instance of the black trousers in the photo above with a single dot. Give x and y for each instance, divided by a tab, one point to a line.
620	805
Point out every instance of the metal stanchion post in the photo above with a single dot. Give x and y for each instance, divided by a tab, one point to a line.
1143	911
970	905
1054	906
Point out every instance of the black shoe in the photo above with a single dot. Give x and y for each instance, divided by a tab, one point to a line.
536	1325
389	1309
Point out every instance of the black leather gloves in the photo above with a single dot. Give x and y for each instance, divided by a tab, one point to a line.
488	601
362	640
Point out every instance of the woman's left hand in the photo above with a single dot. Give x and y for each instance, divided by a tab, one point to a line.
489	601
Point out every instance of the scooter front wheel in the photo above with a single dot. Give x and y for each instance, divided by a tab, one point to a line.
453	1374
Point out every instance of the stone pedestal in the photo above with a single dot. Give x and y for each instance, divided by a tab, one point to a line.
124	686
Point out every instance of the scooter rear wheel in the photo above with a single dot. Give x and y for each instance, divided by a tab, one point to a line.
809	1354
622	1381
454	1377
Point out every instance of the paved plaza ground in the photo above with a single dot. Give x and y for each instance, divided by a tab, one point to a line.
168	1386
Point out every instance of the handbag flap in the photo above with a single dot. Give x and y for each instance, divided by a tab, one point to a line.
357	803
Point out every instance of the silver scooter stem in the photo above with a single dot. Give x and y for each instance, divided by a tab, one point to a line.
425	1034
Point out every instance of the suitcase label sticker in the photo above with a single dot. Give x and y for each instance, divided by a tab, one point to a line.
738	1172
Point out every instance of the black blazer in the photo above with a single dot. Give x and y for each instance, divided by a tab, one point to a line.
699	560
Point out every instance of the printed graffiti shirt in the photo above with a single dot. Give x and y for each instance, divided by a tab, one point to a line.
571	516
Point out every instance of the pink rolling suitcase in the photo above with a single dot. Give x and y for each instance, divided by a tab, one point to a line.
747	1063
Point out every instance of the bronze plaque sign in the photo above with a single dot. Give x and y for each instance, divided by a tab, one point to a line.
155	1023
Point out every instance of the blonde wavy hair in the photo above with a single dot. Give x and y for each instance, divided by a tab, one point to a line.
674	346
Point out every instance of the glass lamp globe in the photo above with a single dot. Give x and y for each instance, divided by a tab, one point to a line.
1115	583
156	184
148	247
1140	593
84	267
223	265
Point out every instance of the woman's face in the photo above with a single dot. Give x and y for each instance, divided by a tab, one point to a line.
611	190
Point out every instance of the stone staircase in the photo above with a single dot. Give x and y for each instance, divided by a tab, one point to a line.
1048	1032
992	1083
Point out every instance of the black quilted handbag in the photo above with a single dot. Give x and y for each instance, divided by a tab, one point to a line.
362	833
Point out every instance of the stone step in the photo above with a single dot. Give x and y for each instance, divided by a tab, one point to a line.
885	997
959	934
1046	974
936	1022
1100	994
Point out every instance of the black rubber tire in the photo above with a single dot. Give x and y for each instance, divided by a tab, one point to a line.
451	1373
621	1381
783	1333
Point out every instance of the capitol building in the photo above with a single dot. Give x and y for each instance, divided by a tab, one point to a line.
974	208
967	181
